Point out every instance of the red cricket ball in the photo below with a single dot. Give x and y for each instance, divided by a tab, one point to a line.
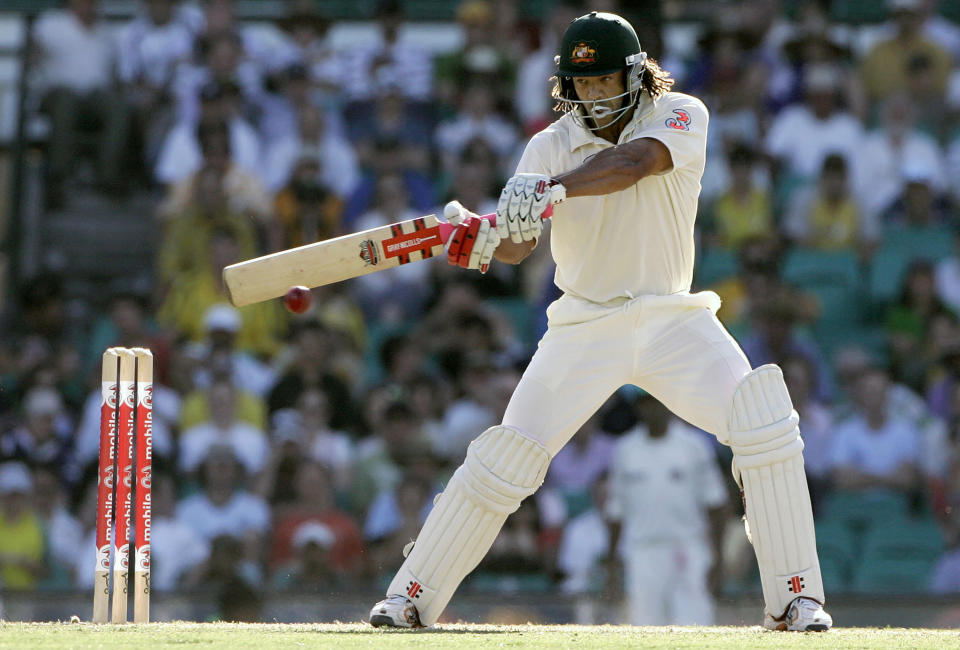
298	299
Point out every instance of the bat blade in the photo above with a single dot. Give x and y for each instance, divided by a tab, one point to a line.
335	260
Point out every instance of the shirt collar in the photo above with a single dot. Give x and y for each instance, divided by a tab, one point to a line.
580	136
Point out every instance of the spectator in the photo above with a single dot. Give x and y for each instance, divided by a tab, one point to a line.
306	209
337	174
61	530
230	349
185	148
818	425
381	458
892	149
476	118
310	364
77	60
248	443
480	55
908	323
776	336
394	62
945	578
151	48
886	68
311	569
314	502
177	551
947	277
45	436
668	498
580	464
875	451
310	45
396	516
22	547
224	507
531	95
825	217
919	206
585	545
309	425
391	298
744	209
802	135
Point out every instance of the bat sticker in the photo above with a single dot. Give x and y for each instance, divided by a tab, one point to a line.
368	253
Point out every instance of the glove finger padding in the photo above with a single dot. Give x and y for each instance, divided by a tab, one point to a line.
487	242
470	243
521	206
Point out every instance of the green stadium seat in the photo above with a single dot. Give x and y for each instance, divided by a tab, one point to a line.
898	250
898	556
861	510
520	313
858	12
808	267
714	266
837	549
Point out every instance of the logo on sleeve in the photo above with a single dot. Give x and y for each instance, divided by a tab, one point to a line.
681	122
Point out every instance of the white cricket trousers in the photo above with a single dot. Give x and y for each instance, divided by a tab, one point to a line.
666	582
673	347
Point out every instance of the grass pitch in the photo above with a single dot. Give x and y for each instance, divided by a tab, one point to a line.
264	636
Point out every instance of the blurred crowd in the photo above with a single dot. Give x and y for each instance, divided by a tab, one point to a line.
303	453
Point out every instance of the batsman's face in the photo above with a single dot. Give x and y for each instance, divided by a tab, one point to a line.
605	94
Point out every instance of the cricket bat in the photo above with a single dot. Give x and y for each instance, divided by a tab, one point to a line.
338	259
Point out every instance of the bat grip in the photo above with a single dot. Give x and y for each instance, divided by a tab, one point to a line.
446	228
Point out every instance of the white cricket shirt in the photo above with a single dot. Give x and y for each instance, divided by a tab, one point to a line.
661	488
638	241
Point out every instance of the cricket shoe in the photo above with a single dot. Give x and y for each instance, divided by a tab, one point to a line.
803	615
395	611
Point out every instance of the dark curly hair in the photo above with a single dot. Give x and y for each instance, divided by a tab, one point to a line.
655	81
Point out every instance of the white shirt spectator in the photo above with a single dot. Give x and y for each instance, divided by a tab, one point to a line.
339	170
63	532
947	278
408	69
175	548
584	543
333	449
803	141
453	136
661	488
243	513
151	53
73	55
878	173
878	453
817	433
180	155
247	442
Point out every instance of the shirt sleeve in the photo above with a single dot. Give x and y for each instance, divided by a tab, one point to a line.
535	158
681	125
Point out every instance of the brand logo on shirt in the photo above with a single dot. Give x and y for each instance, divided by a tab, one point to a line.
681	122
584	53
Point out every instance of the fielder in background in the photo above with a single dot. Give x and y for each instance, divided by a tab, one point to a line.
666	510
623	166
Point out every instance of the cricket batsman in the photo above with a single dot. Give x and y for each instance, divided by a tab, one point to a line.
622	169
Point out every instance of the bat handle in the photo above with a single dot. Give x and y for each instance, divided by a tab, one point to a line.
446	228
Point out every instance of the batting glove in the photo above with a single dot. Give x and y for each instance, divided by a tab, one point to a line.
522	203
473	241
